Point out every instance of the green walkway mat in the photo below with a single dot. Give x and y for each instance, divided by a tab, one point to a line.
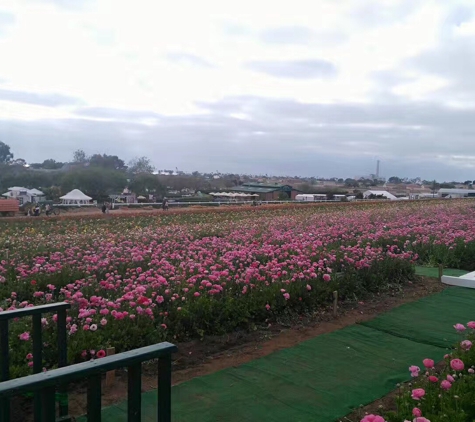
325	378
430	320
321	379
434	272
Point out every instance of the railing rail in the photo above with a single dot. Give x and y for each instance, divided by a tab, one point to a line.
45	383
36	313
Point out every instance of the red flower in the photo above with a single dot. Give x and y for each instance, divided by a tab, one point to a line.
101	354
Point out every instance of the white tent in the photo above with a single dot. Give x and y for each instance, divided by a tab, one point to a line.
75	197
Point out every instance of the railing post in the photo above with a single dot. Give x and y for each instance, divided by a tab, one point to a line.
37	363
164	389
94	391
134	393
62	361
48	404
5	368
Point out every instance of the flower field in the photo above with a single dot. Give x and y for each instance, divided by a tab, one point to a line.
141	279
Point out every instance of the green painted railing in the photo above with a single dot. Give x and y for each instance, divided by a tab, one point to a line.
36	313
45	383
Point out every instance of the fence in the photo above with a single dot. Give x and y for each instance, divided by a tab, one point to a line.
44	384
36	312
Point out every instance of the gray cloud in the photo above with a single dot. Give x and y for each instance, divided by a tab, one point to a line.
115	114
188	59
299	35
369	13
279	137
296	69
48	100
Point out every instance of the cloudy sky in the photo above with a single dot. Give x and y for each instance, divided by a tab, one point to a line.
300	87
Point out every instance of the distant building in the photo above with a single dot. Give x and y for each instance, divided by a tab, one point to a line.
456	193
24	195
268	192
381	193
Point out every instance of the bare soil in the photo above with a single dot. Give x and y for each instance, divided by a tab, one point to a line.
198	358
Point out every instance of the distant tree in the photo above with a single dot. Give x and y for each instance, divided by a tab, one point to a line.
146	183
18	162
5	154
51	164
79	156
359	195
351	183
141	165
467	182
395	180
330	196
94	181
111	162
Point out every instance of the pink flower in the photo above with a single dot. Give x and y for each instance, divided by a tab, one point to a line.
29	356
416	411
326	277
286	296
103	321
471	371
84	353
433	379
450	378
421	419
428	363
459	327
418	393
24	336
100	354
85	327
309	287
466	345
457	365
471	325
267	306
196	294
93	327
414	371
445	385
373	418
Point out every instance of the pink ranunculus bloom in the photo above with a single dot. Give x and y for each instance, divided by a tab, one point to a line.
416	412
466	345
457	365
428	363
471	325
433	379
100	354
421	419
418	393
326	277
450	378
267	306
286	296
309	287
459	327
24	336
373	418
414	371
29	356
445	385
471	371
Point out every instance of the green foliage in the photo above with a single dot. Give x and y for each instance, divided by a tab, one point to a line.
146	183
5	154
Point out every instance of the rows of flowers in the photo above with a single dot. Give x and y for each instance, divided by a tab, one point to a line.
138	280
439	394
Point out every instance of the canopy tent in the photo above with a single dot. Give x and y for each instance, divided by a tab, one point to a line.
233	194
75	197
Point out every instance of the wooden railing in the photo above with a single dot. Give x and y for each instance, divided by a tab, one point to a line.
36	313
45	384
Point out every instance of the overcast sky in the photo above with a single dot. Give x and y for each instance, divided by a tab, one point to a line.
300	87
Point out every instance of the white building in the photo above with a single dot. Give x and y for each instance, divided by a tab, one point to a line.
379	193
24	195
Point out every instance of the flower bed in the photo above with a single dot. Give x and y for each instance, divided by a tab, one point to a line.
141	279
